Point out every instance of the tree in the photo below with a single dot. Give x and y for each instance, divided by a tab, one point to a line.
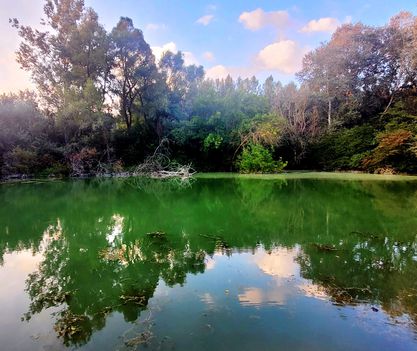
90	56
182	83
135	71
45	54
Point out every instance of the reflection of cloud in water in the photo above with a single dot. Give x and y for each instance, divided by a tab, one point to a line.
116	229
257	296
21	263
210	263
207	298
313	290
279	263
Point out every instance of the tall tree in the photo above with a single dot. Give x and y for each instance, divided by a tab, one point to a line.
182	83
45	53
89	50
135	71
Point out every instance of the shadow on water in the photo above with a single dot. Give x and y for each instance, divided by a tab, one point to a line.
105	246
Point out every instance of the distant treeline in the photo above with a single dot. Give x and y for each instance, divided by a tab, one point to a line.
104	102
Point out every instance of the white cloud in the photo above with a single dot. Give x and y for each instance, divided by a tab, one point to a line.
326	24
284	56
258	18
189	58
205	20
217	72
209	56
155	26
220	71
158	51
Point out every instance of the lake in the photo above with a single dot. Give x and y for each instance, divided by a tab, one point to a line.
302	261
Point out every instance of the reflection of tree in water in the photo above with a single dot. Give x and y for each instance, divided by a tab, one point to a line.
159	186
368	268
90	275
123	278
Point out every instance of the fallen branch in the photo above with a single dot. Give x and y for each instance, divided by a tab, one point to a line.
160	166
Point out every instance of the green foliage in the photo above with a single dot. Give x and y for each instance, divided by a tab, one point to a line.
21	161
212	141
255	158
343	149
57	169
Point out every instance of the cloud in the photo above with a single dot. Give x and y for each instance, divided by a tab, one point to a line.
325	24
284	56
189	58
220	71
155	26
258	18
209	56
205	20
217	72
158	51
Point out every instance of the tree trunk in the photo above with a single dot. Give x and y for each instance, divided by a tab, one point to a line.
125	116
329	113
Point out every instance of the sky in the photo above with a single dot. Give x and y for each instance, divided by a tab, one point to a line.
241	38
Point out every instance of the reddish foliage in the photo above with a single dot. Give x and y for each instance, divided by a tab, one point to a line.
390	144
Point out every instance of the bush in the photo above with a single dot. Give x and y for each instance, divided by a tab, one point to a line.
85	162
395	151
257	159
344	149
20	161
57	170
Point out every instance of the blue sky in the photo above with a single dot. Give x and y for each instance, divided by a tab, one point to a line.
236	37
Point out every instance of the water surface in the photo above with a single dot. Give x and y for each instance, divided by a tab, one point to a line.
300	262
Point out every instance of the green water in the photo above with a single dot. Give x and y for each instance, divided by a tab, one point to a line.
294	262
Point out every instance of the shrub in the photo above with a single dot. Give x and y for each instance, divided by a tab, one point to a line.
20	161
255	158
344	149
84	162
394	150
56	169
212	141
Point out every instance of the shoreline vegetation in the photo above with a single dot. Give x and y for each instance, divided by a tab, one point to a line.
104	103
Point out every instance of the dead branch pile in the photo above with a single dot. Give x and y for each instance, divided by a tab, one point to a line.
159	165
